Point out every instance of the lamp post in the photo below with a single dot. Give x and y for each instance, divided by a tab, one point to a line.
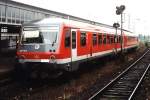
119	11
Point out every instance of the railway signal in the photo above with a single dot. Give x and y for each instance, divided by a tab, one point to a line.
119	11
116	26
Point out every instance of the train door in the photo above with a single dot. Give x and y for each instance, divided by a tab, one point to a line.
74	44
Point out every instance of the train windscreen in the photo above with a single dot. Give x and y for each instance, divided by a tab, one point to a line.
46	35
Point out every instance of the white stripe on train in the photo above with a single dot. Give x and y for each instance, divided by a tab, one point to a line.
67	60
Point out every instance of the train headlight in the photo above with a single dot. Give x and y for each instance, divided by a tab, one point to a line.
21	58
52	59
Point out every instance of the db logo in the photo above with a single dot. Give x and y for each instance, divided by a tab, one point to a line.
37	46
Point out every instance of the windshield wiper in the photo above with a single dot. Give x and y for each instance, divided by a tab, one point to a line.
55	40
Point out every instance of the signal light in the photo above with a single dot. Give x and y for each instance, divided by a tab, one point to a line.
116	25
120	9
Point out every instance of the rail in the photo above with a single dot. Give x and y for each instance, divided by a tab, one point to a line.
120	77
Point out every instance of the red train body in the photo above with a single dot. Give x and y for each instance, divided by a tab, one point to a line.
63	44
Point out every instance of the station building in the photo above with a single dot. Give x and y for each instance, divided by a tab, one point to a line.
13	14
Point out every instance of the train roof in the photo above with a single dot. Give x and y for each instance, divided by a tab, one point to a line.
76	24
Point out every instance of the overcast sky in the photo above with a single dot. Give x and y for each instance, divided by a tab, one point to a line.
136	17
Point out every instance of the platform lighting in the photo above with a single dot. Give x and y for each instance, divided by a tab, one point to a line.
119	11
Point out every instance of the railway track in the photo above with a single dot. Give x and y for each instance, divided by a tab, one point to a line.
18	90
124	86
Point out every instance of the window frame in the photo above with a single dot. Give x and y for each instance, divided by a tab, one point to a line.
100	38
83	39
104	38
108	39
67	38
111	39
94	39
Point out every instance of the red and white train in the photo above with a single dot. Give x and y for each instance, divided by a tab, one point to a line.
63	44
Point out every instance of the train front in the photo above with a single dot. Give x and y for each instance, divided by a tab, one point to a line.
38	46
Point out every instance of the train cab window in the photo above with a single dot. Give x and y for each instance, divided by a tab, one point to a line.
104	39
99	38
94	39
67	38
34	39
83	38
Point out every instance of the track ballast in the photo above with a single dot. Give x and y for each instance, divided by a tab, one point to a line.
124	86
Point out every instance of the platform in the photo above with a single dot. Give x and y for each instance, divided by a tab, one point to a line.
6	66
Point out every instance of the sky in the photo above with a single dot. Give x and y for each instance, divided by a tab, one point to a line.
136	15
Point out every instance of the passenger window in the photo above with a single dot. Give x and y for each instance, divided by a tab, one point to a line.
108	39
83	38
104	39
67	38
111	39
94	39
118	39
99	38
115	38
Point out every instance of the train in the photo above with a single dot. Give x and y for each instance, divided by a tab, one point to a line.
62	44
